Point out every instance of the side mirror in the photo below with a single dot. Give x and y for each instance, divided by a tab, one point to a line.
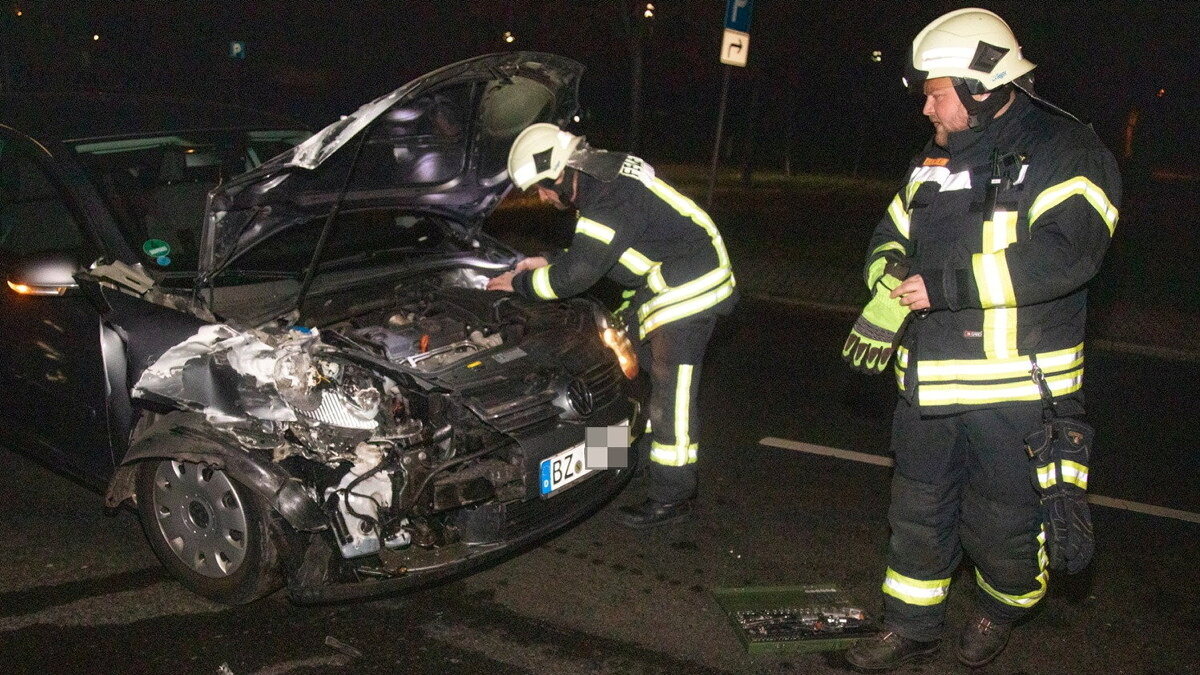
49	273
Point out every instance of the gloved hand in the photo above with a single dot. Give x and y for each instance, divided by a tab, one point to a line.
1059	455
875	334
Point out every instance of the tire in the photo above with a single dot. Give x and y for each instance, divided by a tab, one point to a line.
211	533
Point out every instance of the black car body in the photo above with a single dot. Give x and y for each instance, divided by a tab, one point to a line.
297	376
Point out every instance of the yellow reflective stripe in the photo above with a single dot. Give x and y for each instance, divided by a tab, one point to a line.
655	279
1000	332
683	451
1026	600
1000	231
914	591
999	302
974	394
1072	472
995	286
687	308
683	405
541	283
1045	476
1043	559
901	366
635	262
594	230
1079	185
992	277
669	455
899	215
995	369
1075	474
879	264
688	209
689	290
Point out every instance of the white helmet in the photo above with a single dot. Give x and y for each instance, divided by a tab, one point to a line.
539	152
971	45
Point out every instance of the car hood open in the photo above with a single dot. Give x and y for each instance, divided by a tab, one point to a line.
439	144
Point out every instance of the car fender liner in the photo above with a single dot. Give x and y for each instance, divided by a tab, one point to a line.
188	437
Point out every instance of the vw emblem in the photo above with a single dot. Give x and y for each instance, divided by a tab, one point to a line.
580	396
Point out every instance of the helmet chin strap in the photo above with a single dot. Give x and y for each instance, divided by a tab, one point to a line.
981	113
566	189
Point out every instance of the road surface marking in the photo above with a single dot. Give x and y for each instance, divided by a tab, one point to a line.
1098	500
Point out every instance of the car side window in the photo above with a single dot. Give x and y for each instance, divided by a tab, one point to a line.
34	216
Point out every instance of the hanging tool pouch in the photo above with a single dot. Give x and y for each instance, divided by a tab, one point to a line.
1059	455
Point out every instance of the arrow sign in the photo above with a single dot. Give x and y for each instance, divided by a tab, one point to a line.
735	47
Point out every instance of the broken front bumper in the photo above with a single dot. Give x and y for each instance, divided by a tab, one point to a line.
518	525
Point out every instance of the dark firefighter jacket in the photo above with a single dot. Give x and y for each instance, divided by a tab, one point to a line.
644	235
1005	284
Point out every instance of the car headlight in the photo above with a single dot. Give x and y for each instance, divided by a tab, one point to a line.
296	381
616	340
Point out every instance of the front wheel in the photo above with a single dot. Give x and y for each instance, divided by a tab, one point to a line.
208	530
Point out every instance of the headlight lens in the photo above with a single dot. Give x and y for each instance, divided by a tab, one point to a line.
296	381
618	342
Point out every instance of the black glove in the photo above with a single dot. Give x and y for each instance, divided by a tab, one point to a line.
1059	454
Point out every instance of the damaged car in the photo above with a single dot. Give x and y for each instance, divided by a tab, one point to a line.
279	349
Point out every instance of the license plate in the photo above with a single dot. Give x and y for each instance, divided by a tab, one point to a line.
563	469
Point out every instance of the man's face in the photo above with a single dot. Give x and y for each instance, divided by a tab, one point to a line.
944	110
548	196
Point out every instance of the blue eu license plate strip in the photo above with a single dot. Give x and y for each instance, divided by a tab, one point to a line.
563	469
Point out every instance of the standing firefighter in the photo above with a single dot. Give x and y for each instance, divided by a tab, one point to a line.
640	232
978	273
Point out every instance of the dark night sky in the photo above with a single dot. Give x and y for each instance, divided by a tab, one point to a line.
810	61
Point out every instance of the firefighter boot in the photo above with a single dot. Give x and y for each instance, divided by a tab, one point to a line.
887	651
982	640
651	513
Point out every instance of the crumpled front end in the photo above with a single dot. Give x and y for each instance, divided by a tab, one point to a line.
417	431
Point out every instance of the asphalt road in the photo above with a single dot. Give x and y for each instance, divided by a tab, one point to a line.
81	592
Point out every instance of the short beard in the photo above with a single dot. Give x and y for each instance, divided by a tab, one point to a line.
941	137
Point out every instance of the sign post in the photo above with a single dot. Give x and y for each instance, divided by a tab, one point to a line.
735	49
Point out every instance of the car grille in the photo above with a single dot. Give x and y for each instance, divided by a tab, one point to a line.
510	404
604	379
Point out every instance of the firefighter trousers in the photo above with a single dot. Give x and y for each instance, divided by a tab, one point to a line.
673	354
962	482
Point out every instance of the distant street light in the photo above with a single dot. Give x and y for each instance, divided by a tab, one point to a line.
95	38
876	56
649	13
20	13
508	36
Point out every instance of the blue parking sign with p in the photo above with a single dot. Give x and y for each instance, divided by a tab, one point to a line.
737	15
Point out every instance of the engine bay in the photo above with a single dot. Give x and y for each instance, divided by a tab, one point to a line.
385	414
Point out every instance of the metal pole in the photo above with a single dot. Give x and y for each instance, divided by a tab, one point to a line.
712	173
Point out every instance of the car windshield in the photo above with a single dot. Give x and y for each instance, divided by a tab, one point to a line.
157	186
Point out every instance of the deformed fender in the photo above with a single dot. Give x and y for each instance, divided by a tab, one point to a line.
187	436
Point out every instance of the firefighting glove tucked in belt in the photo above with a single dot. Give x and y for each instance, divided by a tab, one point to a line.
875	334
1059	455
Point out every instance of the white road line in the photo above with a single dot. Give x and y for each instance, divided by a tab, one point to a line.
1098	500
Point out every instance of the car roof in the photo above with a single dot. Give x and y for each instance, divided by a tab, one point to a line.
53	117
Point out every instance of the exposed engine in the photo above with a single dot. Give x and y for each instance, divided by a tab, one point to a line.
381	413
